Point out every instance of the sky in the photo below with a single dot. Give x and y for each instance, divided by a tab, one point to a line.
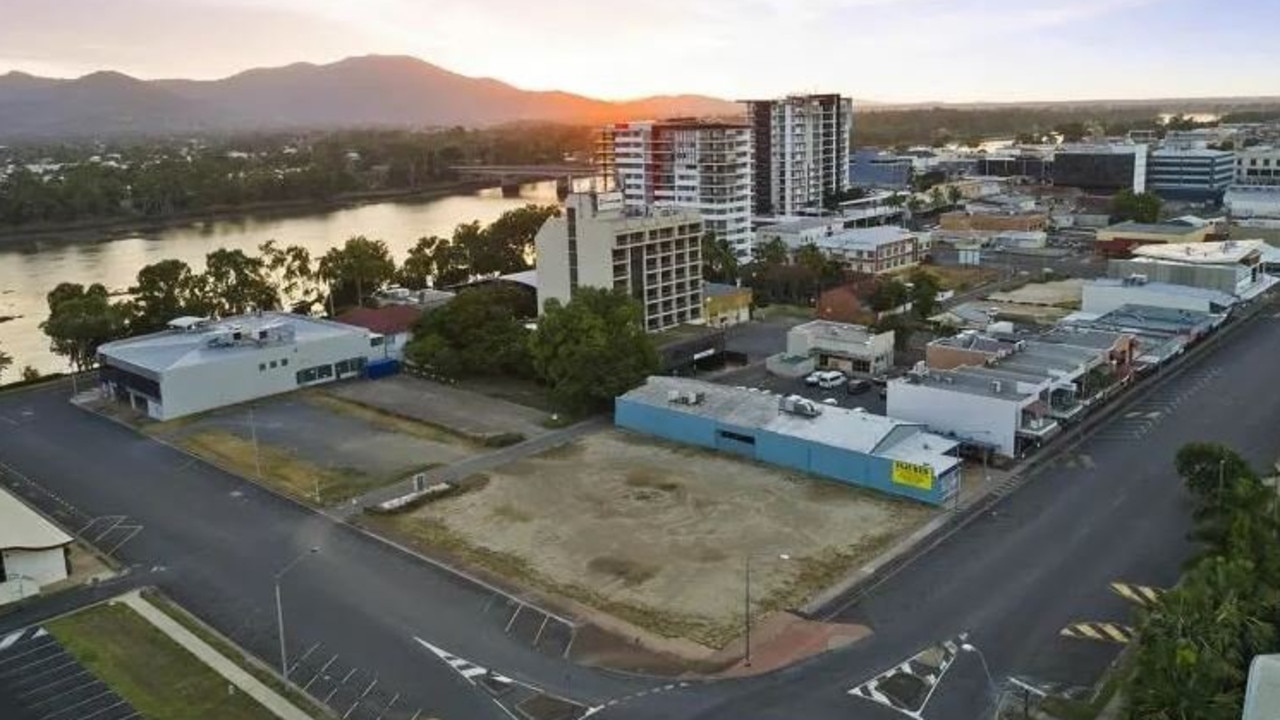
881	50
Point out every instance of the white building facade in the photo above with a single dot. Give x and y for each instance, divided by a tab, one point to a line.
653	254
801	151
1258	166
33	551
198	364
699	165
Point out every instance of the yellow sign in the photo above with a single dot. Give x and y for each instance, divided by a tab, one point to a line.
913	475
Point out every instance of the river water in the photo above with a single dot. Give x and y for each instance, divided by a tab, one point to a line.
29	270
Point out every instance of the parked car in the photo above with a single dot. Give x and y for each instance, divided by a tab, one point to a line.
831	379
857	387
813	378
830	401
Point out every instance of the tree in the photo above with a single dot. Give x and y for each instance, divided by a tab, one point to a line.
1138	207
1207	468
954	196
234	284
360	264
592	349
163	291
5	362
419	269
1072	131
888	294
770	252
290	271
924	292
719	262
937	198
900	326
80	319
508	242
480	332
30	374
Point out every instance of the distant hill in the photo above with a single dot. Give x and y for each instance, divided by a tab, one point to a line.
364	91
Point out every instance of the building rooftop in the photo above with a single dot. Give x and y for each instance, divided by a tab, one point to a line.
710	289
1170	152
1217	297
386	320
844	332
1158	320
862	238
969	381
214	340
852	430
1172	229
801	224
1205	253
22	528
1081	337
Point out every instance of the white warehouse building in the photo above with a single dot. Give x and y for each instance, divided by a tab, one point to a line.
200	364
33	551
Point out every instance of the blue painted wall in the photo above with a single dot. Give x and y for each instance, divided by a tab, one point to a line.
845	466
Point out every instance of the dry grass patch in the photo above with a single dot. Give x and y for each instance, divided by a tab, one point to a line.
385	421
281	469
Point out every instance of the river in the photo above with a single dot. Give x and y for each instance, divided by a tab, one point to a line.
29	270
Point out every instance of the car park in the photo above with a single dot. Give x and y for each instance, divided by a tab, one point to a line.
857	387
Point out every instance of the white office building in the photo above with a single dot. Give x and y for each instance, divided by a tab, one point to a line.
1258	166
654	254
801	151
699	165
199	364
1191	173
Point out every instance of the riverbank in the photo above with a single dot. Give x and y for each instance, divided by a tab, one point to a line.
80	231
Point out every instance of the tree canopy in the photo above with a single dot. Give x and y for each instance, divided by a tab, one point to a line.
1138	207
6	361
719	262
593	348
359	267
1195	644
480	332
80	319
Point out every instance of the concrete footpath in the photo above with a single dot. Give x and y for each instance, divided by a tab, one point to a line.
219	663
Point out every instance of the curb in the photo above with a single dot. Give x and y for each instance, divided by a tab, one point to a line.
863	580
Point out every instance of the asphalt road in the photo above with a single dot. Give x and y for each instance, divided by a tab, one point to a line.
1042	558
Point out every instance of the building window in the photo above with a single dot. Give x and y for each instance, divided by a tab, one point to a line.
376	341
737	437
284	362
324	372
274	364
262	367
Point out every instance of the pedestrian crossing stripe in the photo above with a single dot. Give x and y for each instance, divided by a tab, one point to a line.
1102	632
1139	594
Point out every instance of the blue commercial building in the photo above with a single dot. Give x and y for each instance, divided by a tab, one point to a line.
849	446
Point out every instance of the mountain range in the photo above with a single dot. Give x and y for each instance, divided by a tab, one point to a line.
368	91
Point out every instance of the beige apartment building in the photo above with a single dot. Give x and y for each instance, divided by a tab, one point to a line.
654	254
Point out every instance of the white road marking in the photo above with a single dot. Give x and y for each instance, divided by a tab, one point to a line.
11	639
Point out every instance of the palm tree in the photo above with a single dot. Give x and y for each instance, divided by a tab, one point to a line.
719	262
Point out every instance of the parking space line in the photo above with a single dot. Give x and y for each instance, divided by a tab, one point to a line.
388	707
319	672
137	529
366	690
350	710
43	646
303	658
74	676
102	694
332	692
95	713
119	519
348	677
71	661
514	615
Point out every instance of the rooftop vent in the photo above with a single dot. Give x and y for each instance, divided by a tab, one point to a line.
681	397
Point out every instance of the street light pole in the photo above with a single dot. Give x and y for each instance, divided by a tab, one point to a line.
284	658
991	681
257	457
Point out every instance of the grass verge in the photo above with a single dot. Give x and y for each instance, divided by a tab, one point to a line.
389	421
235	653
153	673
281	469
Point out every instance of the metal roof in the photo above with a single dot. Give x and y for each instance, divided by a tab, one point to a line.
22	528
1217	297
1154	228
169	349
837	427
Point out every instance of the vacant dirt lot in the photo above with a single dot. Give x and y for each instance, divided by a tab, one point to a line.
461	411
309	442
657	534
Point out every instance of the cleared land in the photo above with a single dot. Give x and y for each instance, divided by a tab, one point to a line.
313	444
462	411
1060	293
158	677
961	278
657	534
